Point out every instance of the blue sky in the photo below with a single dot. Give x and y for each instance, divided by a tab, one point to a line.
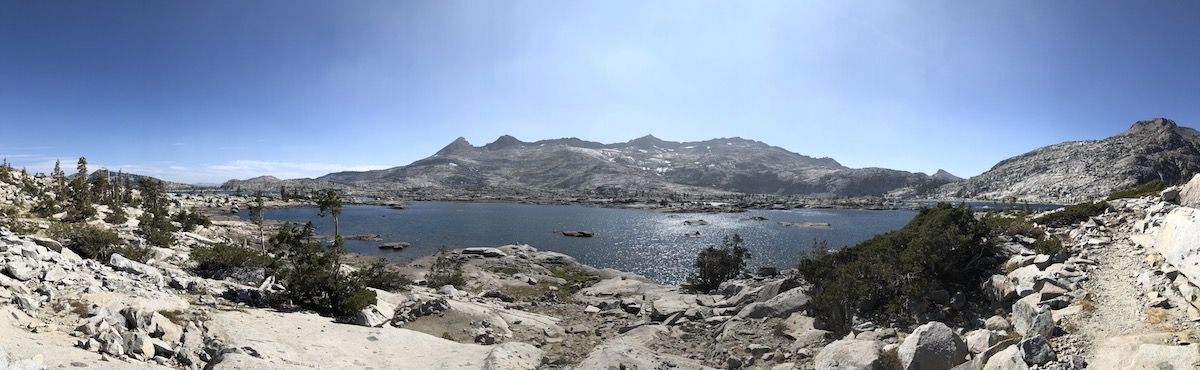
212	90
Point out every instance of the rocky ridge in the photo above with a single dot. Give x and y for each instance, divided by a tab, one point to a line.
1070	172
646	164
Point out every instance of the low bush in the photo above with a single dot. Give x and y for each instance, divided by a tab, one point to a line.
714	265
1012	225
379	276
96	243
223	260
1139	191
445	270
1073	214
1049	247
189	220
118	215
942	248
86	240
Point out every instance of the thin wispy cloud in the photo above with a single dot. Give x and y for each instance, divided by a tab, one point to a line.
240	169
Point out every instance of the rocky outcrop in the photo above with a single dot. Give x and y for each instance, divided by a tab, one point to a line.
1178	238
1189	194
1071	172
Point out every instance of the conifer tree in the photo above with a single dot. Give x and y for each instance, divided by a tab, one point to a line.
256	216
81	195
331	204
155	224
60	179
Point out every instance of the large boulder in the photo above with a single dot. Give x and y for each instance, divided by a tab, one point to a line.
119	262
1189	194
933	346
980	340
1036	351
513	356
851	354
22	269
1008	359
1029	320
1144	352
1179	240
376	315
780	305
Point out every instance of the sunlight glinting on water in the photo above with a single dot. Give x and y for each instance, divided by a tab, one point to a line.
653	244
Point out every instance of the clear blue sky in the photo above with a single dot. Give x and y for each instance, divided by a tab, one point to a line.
209	90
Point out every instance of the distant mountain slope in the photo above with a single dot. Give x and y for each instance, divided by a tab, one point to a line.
1157	149
642	164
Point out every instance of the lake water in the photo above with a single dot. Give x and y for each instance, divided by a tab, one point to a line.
649	243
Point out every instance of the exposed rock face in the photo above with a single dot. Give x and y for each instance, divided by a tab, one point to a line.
647	163
1157	149
1189	194
932	346
1178	239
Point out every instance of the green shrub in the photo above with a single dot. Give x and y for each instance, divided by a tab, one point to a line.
942	248
188	220
379	276
1139	191
313	276
1011	224
1073	214
89	241
118	215
714	266
223	260
1050	246
445	270
140	254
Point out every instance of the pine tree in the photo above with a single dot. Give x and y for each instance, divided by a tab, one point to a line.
256	216
101	187
81	196
155	224
331	204
5	172
60	179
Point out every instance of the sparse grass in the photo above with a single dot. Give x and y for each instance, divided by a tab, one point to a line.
80	308
1087	304
176	316
1009	268
576	279
536	292
506	270
1157	315
1070	326
1048	247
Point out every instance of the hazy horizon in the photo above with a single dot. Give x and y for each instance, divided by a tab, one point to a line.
206	92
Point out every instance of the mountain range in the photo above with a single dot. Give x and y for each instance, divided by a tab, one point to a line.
645	164
1157	149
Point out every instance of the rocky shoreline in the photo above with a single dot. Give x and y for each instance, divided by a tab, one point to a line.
1120	296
